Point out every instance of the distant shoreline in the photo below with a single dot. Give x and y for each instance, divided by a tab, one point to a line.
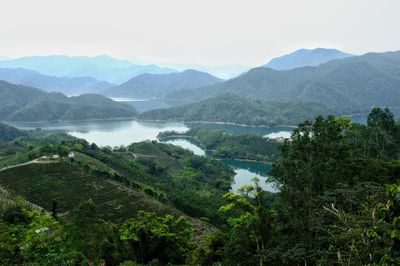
215	123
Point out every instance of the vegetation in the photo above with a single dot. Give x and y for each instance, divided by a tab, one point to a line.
230	108
158	85
8	133
224	145
338	203
349	85
26	104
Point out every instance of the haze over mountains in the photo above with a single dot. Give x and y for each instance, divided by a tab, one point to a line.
344	84
159	85
66	85
100	67
350	84
305	57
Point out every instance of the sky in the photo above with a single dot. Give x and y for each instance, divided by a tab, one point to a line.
203	32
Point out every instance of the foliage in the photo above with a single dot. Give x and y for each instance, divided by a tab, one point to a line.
230	108
22	104
167	239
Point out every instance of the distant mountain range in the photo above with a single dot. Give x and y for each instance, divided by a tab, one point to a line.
305	57
234	109
351	84
27	104
159	85
65	85
100	67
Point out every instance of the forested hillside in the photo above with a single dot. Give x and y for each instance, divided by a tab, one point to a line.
159	85
26	104
230	108
351	84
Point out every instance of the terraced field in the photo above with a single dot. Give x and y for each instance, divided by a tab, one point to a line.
43	184
93	163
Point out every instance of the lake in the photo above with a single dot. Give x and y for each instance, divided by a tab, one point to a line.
123	132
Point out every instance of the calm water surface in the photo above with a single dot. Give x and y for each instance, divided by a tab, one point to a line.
124	132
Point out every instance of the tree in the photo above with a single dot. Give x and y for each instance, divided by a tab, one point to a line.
250	223
90	234
382	119
167	239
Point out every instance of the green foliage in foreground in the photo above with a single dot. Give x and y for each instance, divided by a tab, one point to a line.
29	237
338	204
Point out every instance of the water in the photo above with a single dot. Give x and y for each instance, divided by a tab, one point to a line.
143	105
124	132
246	171
187	145
109	133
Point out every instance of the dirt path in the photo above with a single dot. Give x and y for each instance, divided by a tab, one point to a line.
41	160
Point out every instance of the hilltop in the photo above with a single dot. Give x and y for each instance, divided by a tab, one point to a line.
27	104
159	85
230	108
305	57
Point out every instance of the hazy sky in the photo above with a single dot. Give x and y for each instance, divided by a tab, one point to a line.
208	32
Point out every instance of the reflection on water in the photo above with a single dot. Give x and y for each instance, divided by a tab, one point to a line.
246	171
279	135
124	132
187	145
143	105
236	129
112	133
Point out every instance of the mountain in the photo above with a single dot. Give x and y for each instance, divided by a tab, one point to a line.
234	109
159	85
65	85
27	104
349	85
305	57
100	67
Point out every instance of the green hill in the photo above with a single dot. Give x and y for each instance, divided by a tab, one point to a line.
9	133
351	84
234	109
159	85
21	104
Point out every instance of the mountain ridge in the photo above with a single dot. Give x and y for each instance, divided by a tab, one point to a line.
101	67
65	85
20	103
352	84
305	57
158	85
